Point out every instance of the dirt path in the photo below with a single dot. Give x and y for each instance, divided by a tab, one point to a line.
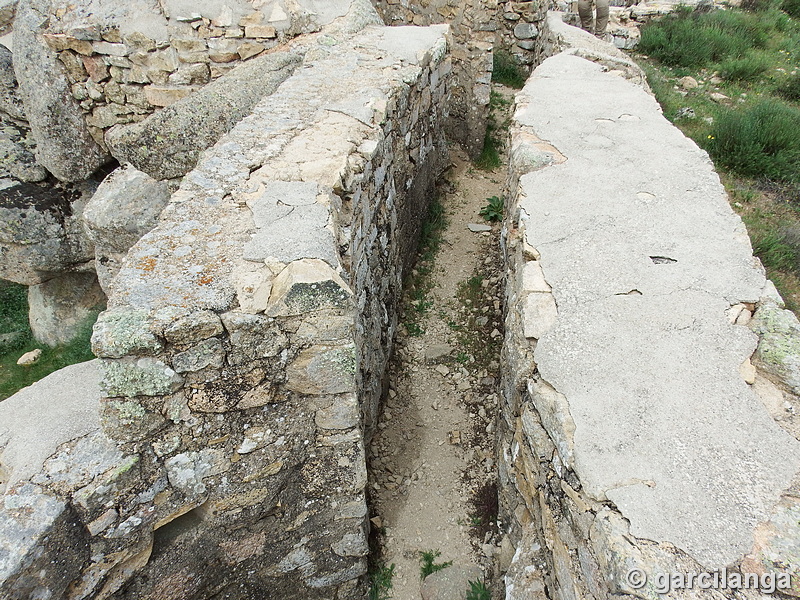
431	459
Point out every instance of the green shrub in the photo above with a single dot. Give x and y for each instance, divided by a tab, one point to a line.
748	68
758	141
791	89
506	69
688	38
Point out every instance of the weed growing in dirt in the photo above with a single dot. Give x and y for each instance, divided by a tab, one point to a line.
428	563
381	582
477	591
493	211
472	336
506	69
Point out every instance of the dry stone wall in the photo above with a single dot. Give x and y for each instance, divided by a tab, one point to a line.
478	27
648	420
244	346
125	60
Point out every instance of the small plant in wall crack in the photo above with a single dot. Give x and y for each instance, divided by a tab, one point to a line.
493	211
428	563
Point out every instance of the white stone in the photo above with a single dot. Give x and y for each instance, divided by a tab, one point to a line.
29	358
539	314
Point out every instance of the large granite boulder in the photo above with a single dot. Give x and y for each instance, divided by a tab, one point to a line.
64	145
124	208
61	307
17	145
41	232
168	143
10	102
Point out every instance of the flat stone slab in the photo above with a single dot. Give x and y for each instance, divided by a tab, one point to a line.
36	420
644	256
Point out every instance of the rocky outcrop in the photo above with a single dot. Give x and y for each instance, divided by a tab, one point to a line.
8	9
64	145
17	146
168	143
633	420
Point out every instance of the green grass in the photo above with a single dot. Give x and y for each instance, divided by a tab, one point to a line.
688	38
506	69
381	582
477	591
747	68
496	132
13	308
428	563
14	318
777	247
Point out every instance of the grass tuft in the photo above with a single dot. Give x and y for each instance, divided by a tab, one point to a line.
477	591
748	68
790	90
381	582
506	69
496	132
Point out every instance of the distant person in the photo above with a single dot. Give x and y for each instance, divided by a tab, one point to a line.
600	22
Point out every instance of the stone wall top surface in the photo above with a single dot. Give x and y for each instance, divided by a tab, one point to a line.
649	403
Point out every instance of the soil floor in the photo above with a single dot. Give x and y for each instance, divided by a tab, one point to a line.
432	470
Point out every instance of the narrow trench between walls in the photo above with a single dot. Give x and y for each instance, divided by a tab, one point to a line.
432	481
